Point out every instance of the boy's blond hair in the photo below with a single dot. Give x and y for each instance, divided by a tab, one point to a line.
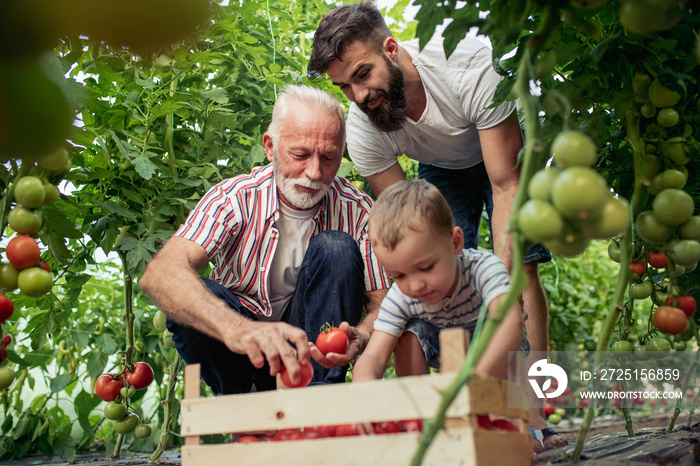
415	205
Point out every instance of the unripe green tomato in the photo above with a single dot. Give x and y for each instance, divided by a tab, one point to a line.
540	186
567	189
647	110
168	339
34	282
127	392
539	221
622	345
612	221
114	411
614	252
52	193
29	192
662	96
659	344
691	228
684	252
8	277
127	424
640	84
554	419
673	206
568	247
650	229
573	148
159	320
671	178
142	431
640	352
680	346
54	160
7	376
641	290
24	221
674	149
667	117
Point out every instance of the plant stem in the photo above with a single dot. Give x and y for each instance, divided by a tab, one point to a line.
129	324
173	370
684	387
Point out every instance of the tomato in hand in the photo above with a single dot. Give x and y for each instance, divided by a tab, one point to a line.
22	251
332	340
107	388
307	373
685	303
670	320
658	260
141	377
7	307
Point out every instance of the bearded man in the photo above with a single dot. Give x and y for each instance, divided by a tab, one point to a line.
290	252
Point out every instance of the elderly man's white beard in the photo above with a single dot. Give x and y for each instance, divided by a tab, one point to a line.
298	199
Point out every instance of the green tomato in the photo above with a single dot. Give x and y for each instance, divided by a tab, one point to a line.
613	220
614	252
659	344
647	110
691	228
685	252
680	346
52	193
673	206
622	345
539	221
159	320
554	419
667	117
54	160
641	290
567	189
29	192
168	339
650	229
142	431
7	376
34	282
114	410
127	392
359	184
573	148
24	221
662	96
672	178
674	149
568	247
640	352
127	424
640	84
8	277
540	186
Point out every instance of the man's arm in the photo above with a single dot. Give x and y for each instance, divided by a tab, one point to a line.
383	180
173	285
500	146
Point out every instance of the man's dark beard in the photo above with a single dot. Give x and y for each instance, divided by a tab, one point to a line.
390	115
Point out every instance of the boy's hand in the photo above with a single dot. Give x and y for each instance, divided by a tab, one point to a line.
356	343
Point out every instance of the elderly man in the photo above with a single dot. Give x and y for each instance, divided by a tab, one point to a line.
290	253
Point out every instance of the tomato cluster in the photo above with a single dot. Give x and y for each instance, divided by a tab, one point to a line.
7	374
111	387
571	204
159	323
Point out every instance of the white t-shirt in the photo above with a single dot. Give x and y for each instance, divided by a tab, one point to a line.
458	92
295	228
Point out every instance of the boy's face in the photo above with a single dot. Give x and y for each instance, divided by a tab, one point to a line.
423	264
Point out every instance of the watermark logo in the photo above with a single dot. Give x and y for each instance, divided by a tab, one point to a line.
542	368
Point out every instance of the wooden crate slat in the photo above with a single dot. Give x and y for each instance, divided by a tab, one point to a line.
449	448
494	396
382	400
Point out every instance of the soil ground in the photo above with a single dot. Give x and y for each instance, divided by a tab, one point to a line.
606	445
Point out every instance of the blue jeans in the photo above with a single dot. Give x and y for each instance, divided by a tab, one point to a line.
330	288
468	191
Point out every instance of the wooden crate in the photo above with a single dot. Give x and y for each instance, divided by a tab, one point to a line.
461	443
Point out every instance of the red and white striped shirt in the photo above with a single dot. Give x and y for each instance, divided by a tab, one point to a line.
235	223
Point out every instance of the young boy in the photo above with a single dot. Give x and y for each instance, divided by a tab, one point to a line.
437	284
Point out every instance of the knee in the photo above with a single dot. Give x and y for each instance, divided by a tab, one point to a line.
335	247
407	343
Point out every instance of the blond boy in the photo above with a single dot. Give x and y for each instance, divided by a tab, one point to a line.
437	284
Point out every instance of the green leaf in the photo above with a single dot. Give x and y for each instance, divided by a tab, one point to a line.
39	327
216	95
143	164
97	363
59	383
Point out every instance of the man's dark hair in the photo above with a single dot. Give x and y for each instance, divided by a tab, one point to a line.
342	27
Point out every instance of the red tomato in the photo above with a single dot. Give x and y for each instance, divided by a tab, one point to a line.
44	265
504	424
107	388
347	430
658	260
670	320
312	434
141	377
286	434
638	267
332	340
548	408
483	421
7	307
6	340
3	355
307	373
22	251
247	439
685	303
411	425
389	427
328	431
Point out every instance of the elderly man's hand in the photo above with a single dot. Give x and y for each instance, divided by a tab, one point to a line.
272	341
356	344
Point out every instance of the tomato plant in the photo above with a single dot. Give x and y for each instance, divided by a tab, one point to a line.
107	387
23	251
332	340
141	377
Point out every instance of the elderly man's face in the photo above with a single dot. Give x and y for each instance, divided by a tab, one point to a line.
307	155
